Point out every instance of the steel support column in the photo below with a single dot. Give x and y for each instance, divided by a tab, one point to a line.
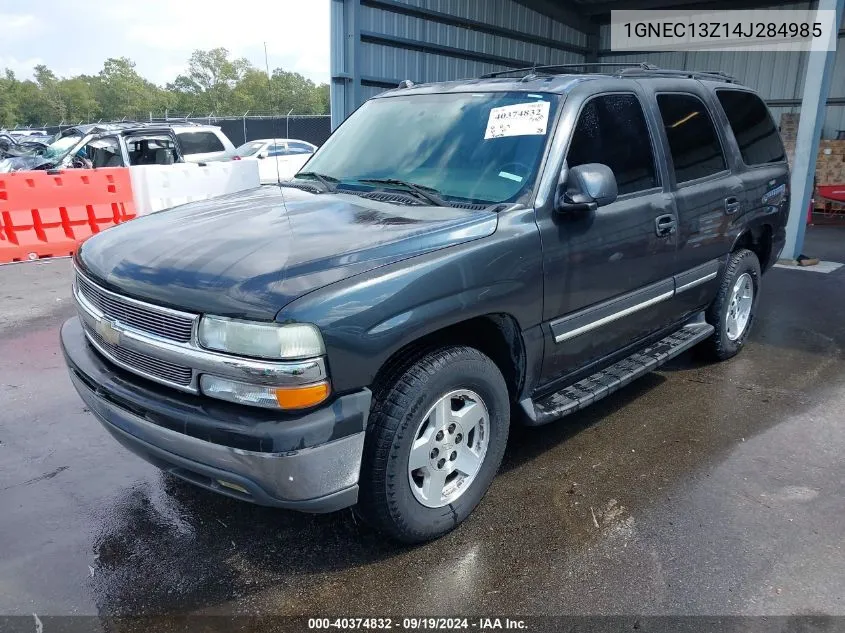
813	103
345	88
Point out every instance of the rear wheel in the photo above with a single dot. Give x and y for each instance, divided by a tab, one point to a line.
435	440
733	310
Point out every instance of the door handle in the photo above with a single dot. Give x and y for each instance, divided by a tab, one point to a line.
731	205
665	225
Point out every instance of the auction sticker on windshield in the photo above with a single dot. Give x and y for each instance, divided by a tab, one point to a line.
519	119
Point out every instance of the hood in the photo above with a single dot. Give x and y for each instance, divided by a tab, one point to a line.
249	254
22	163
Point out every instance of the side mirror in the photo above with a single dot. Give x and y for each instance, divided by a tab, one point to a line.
262	154
586	187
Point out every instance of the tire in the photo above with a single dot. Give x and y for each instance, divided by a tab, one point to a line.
391	496
726	341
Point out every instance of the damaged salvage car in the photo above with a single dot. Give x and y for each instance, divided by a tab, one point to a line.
455	255
97	145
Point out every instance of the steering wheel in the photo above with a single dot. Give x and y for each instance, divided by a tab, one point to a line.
77	162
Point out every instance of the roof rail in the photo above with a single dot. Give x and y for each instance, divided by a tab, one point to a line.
712	75
555	68
622	69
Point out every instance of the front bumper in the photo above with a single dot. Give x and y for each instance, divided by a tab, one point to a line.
308	462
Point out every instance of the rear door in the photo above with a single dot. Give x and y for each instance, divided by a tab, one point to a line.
608	273
707	194
762	167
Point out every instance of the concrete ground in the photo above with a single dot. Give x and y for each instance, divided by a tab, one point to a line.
701	489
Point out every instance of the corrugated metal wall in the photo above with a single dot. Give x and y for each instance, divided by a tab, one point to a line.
377	43
777	77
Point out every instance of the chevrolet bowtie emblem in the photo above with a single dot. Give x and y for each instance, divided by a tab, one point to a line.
108	330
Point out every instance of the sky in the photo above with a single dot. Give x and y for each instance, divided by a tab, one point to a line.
77	37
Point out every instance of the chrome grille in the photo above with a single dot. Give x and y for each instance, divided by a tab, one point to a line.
143	364
143	317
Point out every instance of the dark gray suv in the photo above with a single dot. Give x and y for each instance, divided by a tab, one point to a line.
456	257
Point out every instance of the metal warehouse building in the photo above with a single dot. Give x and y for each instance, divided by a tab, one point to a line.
378	43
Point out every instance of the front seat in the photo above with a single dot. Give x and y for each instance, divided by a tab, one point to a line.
114	161
164	157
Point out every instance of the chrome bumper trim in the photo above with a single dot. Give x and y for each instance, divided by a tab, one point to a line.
201	361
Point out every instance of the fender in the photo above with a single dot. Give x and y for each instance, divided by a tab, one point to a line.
367	318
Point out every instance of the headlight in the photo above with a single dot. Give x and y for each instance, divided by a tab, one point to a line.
261	340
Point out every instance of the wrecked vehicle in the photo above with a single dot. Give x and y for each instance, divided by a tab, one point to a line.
362	334
12	144
97	145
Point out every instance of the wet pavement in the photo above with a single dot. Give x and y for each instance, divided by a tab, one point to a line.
701	489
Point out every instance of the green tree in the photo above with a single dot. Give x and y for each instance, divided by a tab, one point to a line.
33	106
325	99
77	94
122	92
8	99
48	102
251	93
292	91
213	83
211	78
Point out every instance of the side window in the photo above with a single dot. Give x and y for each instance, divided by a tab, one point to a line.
156	150
277	150
300	148
200	143
611	129
696	151
752	125
103	152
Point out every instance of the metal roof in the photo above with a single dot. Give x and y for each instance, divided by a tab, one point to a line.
600	9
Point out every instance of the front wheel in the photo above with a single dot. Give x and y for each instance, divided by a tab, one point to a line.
734	308
435	440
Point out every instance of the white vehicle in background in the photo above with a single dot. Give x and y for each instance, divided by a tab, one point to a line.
278	159
27	132
203	143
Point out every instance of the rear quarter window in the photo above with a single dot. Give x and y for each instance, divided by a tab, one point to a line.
752	125
200	143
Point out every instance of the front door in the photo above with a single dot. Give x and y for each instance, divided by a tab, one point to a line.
608	273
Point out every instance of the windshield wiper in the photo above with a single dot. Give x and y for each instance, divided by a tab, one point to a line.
329	182
428	193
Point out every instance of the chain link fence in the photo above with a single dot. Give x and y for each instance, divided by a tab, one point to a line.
240	129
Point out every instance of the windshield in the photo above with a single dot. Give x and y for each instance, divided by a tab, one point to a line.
248	149
484	147
57	149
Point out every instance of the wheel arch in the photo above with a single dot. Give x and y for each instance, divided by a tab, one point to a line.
497	335
757	238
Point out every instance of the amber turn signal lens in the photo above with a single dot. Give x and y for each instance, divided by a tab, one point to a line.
302	397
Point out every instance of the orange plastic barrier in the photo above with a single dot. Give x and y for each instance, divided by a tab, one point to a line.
50	214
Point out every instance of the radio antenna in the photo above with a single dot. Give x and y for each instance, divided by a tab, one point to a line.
270	97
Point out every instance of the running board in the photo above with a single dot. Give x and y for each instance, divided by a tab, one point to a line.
605	382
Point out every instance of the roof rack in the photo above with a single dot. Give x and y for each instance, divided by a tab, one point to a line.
623	69
555	68
712	75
